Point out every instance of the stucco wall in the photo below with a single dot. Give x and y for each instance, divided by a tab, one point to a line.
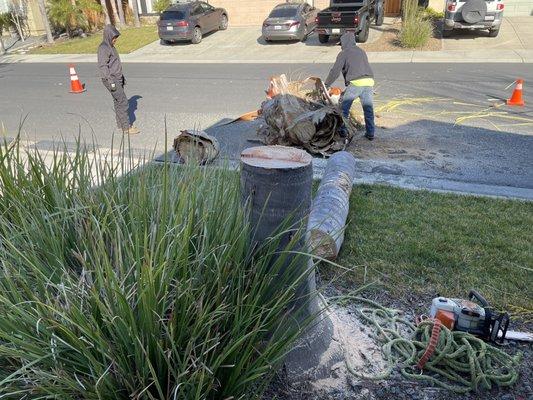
35	21
253	12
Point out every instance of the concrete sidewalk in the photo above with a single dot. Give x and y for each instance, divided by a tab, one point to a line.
444	56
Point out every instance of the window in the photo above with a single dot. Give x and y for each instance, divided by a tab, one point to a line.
284	12
197	10
170	15
207	7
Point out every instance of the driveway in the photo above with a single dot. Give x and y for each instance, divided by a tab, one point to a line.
246	44
516	34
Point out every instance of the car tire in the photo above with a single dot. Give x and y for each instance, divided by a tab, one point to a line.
362	36
196	35
323	38
223	22
474	11
494	32
446	33
164	42
306	33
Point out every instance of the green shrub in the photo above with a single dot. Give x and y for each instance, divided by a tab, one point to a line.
416	29
161	5
63	14
139	287
433	14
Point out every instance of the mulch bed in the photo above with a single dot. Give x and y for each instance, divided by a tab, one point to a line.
388	41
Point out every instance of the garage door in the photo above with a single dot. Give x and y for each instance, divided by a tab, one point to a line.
518	8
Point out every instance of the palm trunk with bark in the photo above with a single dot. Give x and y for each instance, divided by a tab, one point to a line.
103	3
121	12
46	22
135	9
115	14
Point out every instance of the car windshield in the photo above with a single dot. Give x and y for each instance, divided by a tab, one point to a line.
285	12
168	15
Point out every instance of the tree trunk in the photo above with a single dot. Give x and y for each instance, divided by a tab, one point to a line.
121	12
18	26
2	47
46	22
327	220
114	9
135	9
103	3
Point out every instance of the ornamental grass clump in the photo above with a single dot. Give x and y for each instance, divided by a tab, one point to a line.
136	287
416	28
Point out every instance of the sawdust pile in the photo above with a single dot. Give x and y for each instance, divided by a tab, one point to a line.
354	340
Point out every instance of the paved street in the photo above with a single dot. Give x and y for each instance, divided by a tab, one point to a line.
421	142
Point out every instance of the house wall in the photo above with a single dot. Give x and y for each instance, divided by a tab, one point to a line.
515	8
35	21
253	12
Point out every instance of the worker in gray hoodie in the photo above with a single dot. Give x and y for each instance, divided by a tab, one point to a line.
359	80
110	69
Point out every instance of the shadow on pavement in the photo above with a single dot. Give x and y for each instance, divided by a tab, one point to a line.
423	148
132	107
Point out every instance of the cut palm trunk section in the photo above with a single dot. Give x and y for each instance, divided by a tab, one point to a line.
331	205
196	147
302	114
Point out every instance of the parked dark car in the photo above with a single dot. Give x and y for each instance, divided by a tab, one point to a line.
190	22
290	21
349	16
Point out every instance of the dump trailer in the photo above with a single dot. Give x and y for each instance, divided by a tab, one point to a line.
349	16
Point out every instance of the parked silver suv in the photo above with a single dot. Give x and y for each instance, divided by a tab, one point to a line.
473	15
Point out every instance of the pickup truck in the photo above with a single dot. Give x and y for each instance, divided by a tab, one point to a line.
349	16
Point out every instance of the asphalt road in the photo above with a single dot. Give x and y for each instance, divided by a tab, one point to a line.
201	95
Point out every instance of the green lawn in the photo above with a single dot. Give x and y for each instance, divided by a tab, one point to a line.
423	244
130	39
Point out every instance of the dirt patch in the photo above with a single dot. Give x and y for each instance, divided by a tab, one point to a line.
388	41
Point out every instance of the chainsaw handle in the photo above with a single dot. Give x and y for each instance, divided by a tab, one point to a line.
474	294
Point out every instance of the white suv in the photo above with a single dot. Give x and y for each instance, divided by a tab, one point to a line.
473	14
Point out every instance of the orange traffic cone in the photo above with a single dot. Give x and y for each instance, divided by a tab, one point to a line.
516	99
75	85
271	92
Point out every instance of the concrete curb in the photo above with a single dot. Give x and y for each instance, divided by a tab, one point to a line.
450	56
432	184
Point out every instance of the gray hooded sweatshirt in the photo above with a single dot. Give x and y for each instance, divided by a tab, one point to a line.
352	61
109	63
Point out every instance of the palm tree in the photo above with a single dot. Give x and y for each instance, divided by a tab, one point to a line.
135	9
115	15
46	22
104	9
121	12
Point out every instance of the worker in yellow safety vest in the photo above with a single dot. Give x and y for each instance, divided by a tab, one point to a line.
359	79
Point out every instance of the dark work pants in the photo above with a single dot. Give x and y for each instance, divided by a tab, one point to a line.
120	102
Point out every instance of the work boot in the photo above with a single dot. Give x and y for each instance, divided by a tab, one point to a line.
369	137
132	130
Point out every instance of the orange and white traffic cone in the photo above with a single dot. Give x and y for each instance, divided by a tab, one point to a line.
75	85
516	99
